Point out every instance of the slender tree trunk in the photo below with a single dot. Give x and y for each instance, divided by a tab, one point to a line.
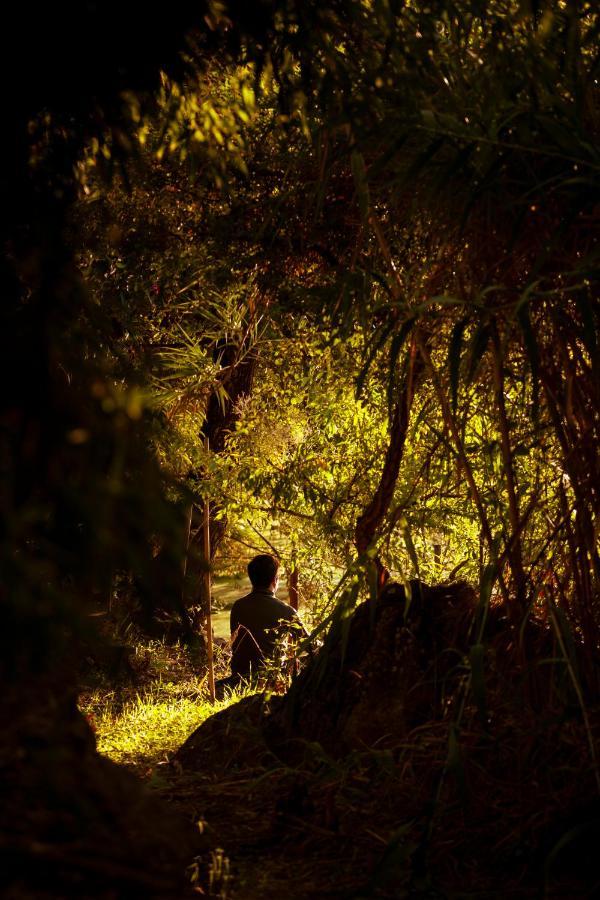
294	599
452	426
516	551
220	420
369	523
585	563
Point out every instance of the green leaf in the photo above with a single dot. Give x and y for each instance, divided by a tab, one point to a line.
395	348
479	345
376	343
454	358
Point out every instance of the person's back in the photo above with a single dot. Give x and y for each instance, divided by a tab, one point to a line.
259	619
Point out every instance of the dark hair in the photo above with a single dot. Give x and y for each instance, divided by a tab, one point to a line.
262	570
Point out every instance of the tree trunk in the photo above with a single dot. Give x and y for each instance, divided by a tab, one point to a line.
369	523
220	420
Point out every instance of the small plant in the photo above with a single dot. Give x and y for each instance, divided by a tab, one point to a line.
218	875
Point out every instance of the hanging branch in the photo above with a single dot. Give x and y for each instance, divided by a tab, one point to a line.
271	546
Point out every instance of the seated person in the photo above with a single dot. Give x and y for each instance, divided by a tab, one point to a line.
259	620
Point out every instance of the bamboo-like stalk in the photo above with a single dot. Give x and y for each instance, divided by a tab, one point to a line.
462	455
207	595
372	517
579	693
186	551
581	533
293	597
516	549
446	409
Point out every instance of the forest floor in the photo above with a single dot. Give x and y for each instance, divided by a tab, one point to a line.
141	723
246	807
316	825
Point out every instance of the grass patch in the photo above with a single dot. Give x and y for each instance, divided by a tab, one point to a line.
139	725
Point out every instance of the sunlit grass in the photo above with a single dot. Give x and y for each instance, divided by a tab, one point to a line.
146	729
141	725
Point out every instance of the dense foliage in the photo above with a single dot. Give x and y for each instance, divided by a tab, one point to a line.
333	269
415	189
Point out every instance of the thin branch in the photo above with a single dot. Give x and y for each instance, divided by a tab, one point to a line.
244	544
265	539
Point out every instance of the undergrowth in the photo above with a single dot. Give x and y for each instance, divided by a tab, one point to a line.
141	721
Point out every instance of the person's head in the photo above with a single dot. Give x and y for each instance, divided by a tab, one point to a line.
263	571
